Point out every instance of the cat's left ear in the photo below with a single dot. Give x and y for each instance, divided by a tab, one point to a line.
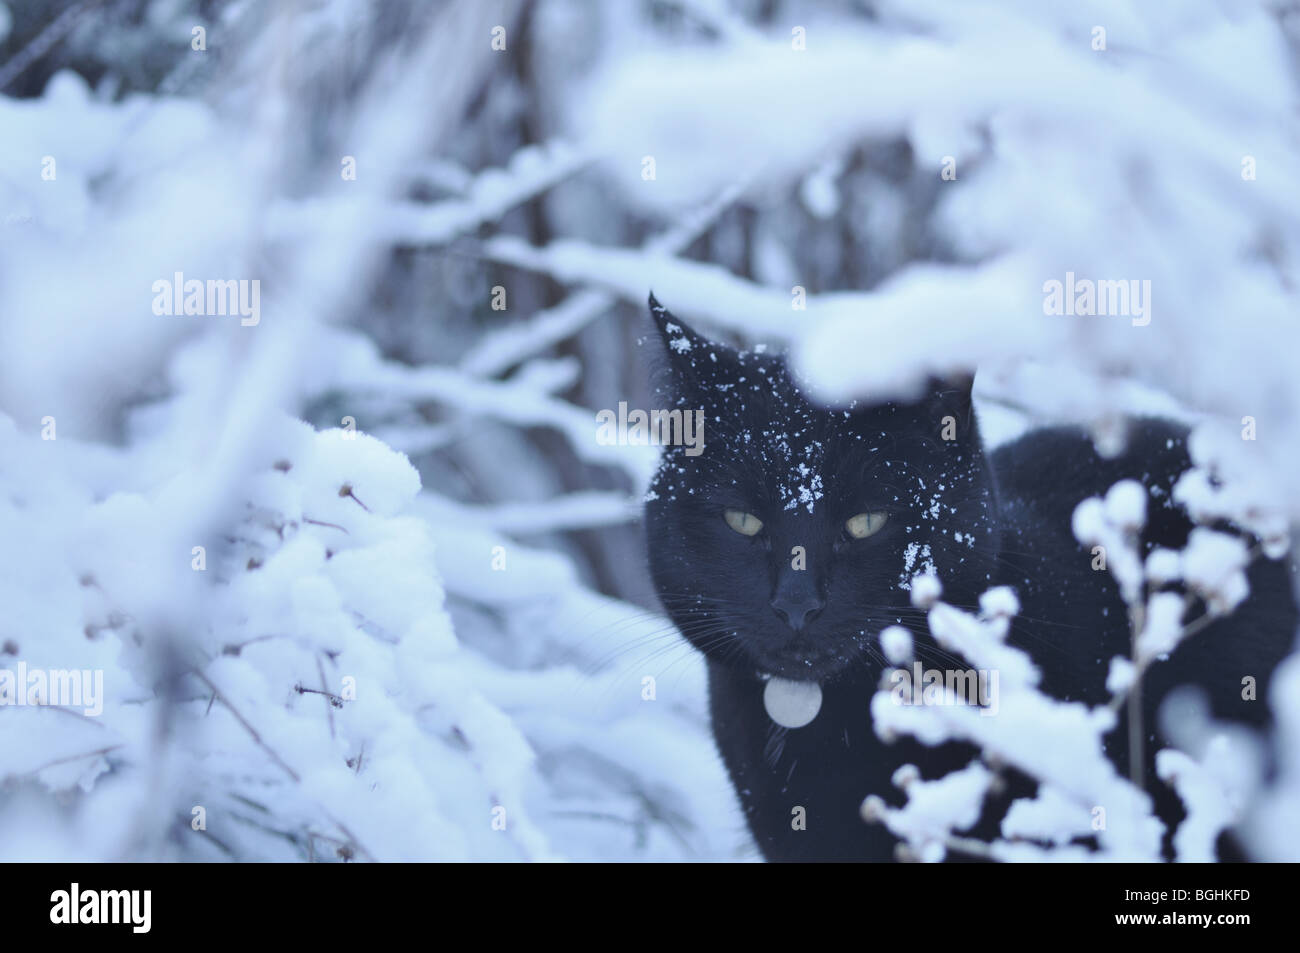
950	405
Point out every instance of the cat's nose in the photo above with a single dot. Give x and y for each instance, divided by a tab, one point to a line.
797	612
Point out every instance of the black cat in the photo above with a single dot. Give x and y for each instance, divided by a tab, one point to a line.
790	542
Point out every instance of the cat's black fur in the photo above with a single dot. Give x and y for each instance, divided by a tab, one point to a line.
804	470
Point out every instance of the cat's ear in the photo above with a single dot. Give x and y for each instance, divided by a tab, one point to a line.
688	357
681	343
949	405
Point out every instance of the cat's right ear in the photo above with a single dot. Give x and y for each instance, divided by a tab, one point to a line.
679	340
682	347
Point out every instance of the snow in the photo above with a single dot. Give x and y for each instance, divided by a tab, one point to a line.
1163	566
1050	816
1109	528
896	642
999	601
1121	676
934	808
1208	807
925	587
1270	827
1126	505
353	576
1212	565
353	592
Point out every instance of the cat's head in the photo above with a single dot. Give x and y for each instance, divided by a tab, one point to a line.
791	538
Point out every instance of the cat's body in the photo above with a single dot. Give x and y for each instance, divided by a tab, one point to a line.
798	472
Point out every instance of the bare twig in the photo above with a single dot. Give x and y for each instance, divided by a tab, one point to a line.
499	350
329	708
247	727
1136	616
70	758
44	41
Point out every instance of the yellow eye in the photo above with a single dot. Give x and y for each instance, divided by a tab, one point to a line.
866	524
746	524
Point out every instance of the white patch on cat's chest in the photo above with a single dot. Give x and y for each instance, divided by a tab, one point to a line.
792	704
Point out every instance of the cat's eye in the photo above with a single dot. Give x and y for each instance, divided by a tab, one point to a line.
866	524
746	524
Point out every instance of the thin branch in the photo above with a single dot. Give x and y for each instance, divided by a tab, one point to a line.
70	758
217	693
501	349
1137	617
329	707
44	41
